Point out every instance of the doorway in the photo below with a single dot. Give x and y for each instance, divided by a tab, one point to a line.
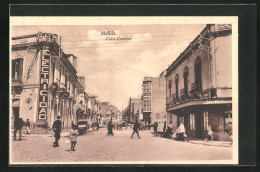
199	125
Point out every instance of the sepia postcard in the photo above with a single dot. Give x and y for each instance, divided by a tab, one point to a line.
123	90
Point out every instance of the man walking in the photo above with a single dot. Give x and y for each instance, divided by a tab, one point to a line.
155	126
135	129
110	128
97	126
18	125
57	130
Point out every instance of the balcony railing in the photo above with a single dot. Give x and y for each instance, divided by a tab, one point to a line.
174	99
196	90
184	95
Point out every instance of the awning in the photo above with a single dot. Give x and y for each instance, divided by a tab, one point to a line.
199	102
16	103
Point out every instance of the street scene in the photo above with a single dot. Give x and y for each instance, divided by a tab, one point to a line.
96	146
99	93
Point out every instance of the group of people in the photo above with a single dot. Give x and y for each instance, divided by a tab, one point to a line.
136	127
18	126
72	134
180	133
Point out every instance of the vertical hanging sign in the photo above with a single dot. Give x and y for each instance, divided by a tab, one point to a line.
44	81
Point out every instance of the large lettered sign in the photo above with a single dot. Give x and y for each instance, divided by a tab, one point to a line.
44	81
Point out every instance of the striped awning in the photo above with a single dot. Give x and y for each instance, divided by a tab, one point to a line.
199	102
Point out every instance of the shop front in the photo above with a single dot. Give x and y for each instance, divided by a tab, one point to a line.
198	115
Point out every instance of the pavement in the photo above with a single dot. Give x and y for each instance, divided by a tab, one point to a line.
96	146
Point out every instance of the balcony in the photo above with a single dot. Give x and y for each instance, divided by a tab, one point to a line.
175	99
184	95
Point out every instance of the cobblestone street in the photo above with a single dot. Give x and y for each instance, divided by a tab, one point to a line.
96	146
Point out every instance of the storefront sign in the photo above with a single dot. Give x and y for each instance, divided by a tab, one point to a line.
44	81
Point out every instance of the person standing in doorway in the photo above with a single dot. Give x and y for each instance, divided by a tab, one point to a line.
135	129
230	131
210	134
57	130
28	125
18	125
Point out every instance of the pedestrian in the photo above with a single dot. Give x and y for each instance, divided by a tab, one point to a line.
90	124
155	126
110	128
27	125
57	130
180	132
73	137
168	132
230	131
210	134
135	129
18	125
164	127
97	126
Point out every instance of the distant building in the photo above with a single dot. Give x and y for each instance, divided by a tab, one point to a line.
199	84
154	99
81	80
136	108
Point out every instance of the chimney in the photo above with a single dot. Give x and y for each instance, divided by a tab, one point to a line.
73	60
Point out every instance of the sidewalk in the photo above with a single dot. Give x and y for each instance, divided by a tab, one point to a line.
49	133
212	143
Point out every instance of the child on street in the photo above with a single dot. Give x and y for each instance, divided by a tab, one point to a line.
73	137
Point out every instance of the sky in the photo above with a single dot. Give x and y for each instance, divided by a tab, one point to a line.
114	69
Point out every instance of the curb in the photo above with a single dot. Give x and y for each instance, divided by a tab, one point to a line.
221	145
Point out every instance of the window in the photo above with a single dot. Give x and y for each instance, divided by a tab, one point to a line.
197	71
192	121
66	80
17	68
170	89
185	78
157	115
60	77
206	120
177	86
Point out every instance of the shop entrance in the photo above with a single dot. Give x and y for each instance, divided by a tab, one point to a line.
199	125
16	112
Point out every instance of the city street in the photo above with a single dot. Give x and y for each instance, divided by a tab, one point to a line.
96	146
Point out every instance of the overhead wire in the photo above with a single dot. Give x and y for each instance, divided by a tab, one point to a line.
116	67
122	65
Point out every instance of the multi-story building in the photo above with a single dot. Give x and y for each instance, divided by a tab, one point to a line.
199	84
154	99
127	112
136	109
83	111
94	108
44	81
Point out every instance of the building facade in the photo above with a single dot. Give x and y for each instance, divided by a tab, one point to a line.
199	84
154	99
136	109
44	81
